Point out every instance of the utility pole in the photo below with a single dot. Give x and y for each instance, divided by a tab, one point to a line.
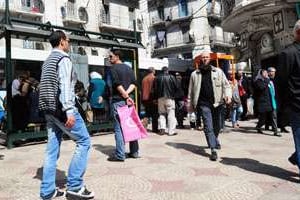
8	65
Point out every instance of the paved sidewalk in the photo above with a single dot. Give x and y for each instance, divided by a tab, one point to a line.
250	166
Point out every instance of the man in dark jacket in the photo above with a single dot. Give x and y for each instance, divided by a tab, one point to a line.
179	103
288	88
165	87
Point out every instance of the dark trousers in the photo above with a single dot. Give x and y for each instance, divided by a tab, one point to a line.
211	120
151	110
295	124
179	112
245	107
271	115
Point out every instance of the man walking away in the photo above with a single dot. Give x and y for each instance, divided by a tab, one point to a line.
57	102
166	88
288	87
147	99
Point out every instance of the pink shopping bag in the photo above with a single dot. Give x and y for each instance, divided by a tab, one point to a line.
131	124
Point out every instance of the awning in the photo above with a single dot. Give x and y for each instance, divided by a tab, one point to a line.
43	35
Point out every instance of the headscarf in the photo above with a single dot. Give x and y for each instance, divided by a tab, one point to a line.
95	75
259	76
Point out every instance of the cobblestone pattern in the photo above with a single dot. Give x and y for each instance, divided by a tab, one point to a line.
250	166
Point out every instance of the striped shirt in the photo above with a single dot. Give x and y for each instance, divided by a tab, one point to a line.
57	83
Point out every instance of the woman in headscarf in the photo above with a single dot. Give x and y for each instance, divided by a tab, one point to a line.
266	103
96	96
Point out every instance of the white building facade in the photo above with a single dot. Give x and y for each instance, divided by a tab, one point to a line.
183	29
172	32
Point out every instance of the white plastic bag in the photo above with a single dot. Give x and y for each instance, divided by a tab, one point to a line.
250	105
192	117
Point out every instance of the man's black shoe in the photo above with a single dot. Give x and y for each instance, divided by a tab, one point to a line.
180	127
284	130
292	159
277	134
259	130
114	159
132	155
162	132
213	156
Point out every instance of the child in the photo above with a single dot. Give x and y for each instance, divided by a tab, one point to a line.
237	108
192	119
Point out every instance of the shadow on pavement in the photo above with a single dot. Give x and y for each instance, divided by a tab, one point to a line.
199	150
107	150
61	178
261	168
1	157
251	130
243	129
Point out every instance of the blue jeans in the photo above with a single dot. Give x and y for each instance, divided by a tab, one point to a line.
295	123
212	124
77	167
236	113
120	144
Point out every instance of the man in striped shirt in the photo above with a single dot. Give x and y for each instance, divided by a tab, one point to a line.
57	102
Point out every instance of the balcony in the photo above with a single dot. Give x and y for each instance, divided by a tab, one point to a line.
173	43
118	23
174	17
29	8
72	15
220	38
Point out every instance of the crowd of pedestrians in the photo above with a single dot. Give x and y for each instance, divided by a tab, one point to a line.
212	97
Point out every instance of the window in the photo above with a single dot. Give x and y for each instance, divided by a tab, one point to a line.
26	3
131	17
94	52
33	5
83	15
182	8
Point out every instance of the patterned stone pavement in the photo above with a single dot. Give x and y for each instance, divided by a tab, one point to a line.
250	166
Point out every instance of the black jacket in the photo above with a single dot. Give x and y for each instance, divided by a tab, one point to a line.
288	77
165	85
263	97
